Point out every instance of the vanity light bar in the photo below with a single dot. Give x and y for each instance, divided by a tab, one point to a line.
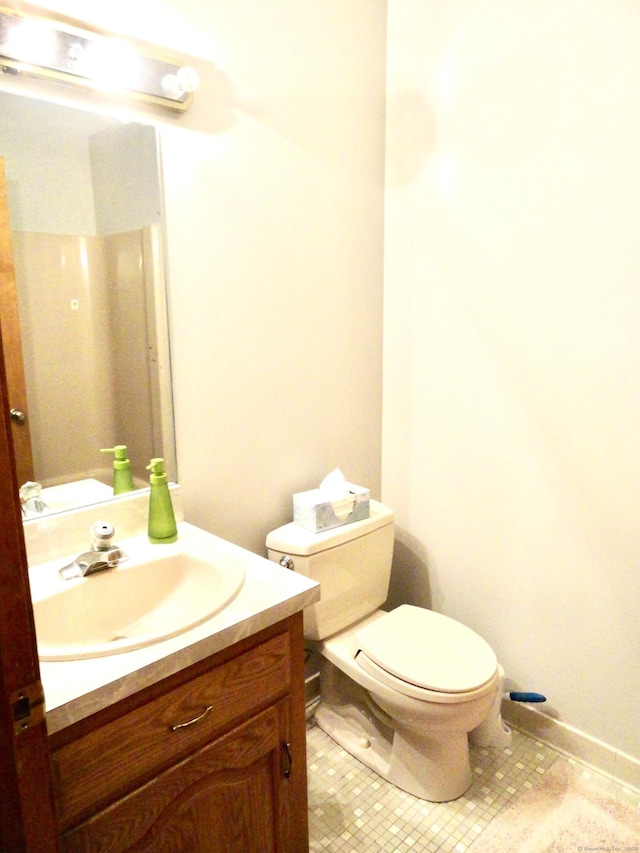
51	50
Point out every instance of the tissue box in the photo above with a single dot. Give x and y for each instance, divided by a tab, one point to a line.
312	511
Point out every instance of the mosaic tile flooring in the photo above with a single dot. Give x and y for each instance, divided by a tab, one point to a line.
352	810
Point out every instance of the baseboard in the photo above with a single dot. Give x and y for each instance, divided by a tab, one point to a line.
575	744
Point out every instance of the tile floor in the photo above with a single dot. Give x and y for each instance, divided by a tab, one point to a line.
352	810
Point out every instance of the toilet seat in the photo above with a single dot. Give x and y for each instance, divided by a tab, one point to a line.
426	655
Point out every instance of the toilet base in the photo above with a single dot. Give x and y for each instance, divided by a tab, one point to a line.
433	769
359	735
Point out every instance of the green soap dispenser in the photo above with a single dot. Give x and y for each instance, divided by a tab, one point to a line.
162	521
122	477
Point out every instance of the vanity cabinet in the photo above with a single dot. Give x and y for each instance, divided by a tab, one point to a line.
210	759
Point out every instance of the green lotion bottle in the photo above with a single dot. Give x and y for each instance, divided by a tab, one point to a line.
122	477
162	521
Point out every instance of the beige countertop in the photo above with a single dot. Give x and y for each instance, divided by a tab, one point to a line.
77	688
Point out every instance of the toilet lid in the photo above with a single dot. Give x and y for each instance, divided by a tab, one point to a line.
428	650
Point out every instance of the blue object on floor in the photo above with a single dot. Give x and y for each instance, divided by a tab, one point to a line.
515	696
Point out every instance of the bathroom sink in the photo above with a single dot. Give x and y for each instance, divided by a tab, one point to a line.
158	592
70	495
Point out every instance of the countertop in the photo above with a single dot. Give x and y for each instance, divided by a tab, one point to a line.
75	689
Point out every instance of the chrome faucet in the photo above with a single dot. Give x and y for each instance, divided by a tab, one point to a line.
103	554
30	501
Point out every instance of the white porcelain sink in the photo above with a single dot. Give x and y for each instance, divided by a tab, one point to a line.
159	592
70	495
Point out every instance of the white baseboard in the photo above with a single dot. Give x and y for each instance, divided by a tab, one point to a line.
600	756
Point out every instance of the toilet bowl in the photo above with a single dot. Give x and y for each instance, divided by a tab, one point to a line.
399	690
413	736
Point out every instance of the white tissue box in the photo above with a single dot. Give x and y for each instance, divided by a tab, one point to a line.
314	512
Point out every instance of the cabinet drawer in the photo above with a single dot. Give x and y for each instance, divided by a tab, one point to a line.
117	757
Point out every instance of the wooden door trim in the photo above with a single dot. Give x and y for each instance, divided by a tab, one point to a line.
12	347
27	812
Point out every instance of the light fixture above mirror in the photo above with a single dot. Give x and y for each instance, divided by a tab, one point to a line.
56	51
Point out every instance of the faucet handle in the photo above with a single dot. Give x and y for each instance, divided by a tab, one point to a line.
102	534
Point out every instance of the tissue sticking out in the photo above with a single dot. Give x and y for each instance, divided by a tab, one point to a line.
334	503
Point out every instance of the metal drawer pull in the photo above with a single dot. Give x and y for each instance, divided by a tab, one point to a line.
287	770
192	722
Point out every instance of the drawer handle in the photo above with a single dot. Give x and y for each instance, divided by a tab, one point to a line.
193	721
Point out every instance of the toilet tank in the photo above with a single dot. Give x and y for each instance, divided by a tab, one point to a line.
352	563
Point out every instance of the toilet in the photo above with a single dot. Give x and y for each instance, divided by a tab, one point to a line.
399	690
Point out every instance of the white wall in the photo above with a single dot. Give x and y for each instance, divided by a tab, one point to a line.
512	307
49	180
274	248
276	281
129	151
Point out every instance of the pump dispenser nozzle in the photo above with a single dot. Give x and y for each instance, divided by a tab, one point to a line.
162	521
122	477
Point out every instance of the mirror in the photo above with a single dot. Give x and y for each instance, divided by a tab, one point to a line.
85	212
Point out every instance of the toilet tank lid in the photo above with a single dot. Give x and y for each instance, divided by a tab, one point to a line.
293	539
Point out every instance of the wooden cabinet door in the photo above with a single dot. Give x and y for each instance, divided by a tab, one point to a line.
231	796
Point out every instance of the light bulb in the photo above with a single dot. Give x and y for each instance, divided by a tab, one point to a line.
31	41
188	79
170	86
